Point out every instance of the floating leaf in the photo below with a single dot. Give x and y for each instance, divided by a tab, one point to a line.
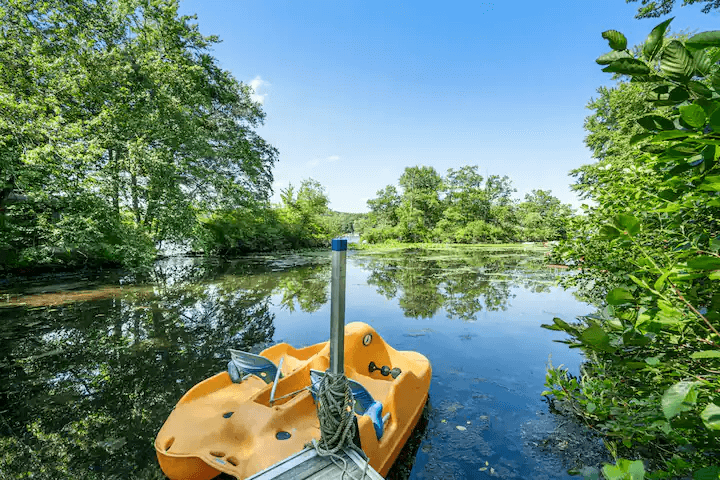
679	398
706	354
610	57
619	296
461	428
676	62
616	39
653	43
704	40
711	417
627	66
694	115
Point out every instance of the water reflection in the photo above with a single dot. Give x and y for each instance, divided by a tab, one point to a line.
93	367
461	280
89	383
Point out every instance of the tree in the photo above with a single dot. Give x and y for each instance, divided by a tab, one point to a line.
652	9
420	208
118	125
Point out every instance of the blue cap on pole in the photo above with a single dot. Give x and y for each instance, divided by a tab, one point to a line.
339	244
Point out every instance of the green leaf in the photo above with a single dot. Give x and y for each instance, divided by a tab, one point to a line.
694	115
609	232
619	296
679	398
700	89
625	470
627	66
627	224
653	43
670	135
595	336
705	262
711	417
676	62
715	120
711	183
678	95
652	360
610	57
706	354
660	282
616	39
704	40
707	473
655	122
638	137
702	63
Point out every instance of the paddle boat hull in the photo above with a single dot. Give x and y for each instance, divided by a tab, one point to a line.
223	426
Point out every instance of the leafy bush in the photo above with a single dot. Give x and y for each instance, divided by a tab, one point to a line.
650	249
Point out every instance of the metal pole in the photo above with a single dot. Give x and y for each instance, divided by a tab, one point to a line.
337	307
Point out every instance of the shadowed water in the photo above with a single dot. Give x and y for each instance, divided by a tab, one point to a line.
92	367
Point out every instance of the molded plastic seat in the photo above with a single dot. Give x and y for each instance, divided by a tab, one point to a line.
245	363
365	404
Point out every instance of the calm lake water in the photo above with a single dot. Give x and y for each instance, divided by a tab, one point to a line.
92	367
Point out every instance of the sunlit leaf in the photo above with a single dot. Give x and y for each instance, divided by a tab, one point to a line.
594	335
679	398
639	137
711	416
676	62
705	262
653	43
619	296
693	114
627	66
616	39
706	354
704	40
610	57
627	224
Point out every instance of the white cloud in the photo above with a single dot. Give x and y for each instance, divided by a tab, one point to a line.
256	84
332	158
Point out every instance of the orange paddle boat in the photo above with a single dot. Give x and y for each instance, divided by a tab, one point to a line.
262	410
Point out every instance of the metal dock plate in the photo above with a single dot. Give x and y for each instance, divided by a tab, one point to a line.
308	465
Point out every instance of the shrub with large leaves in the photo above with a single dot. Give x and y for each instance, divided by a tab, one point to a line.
649	245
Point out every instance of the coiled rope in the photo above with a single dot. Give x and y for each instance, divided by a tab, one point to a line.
337	423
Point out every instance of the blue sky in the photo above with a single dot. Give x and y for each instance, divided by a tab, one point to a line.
354	92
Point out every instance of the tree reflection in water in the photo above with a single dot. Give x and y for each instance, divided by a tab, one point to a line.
88	384
460	280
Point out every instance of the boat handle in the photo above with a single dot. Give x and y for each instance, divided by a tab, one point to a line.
385	370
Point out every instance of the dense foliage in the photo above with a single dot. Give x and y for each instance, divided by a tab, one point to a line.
303	220
648	252
462	207
651	8
118	131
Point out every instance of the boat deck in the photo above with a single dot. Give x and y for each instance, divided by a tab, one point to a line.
307	465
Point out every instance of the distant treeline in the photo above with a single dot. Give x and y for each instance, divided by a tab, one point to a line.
461	207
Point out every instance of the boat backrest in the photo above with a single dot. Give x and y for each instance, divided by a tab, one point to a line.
245	363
